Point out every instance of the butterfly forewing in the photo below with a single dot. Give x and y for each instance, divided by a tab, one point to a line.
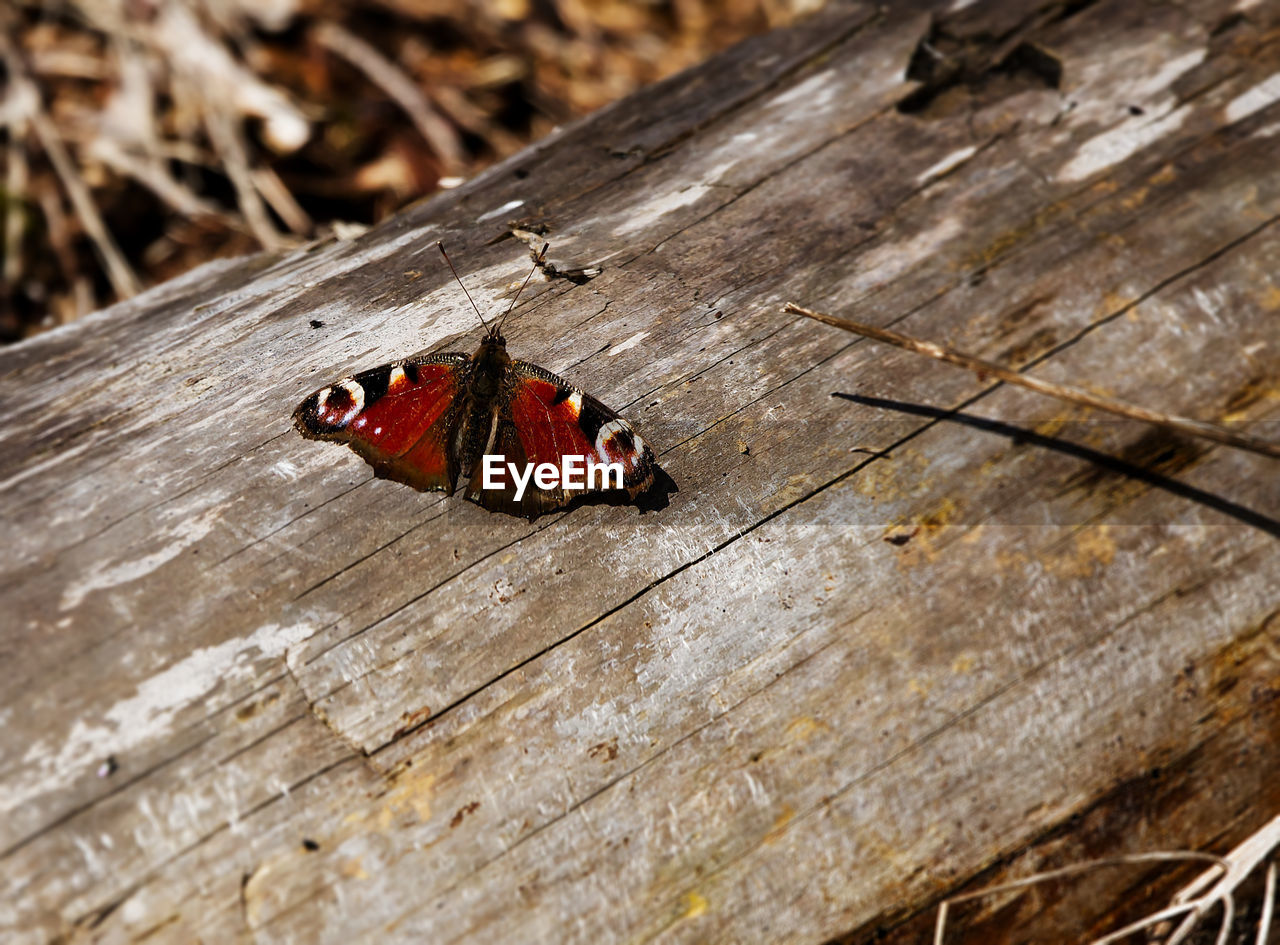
398	417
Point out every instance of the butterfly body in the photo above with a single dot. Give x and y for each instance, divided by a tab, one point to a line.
424	421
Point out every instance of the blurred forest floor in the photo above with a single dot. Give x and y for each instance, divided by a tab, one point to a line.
139	138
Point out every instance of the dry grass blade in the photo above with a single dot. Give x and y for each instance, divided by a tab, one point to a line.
125	137
1073	395
1157	856
153	175
268	183
226	139
1268	905
1146	922
59	231
1221	879
206	128
1241	861
123	280
16	174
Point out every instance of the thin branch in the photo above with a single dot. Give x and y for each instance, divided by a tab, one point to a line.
1168	912
1185	425
453	103
155	177
125	138
1241	861
123	279
15	204
1222	877
58	228
273	190
391	79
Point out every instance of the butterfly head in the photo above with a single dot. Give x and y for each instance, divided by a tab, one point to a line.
492	352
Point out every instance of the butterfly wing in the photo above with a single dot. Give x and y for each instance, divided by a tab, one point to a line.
542	418
398	417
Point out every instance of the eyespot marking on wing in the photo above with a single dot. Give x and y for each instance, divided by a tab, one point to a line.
615	440
337	406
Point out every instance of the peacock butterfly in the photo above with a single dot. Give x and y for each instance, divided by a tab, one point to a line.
424	420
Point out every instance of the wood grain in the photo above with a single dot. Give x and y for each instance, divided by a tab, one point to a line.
897	629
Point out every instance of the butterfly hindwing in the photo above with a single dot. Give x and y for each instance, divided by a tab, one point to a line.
542	418
398	417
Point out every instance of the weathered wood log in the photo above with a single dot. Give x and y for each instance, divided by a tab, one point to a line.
898	628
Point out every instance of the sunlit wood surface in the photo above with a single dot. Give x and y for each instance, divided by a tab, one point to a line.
896	627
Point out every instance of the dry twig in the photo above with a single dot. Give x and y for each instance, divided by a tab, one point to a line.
1240	863
203	92
1075	395
1225	875
226	139
268	183
16	174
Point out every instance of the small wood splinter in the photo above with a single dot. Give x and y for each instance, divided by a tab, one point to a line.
1075	395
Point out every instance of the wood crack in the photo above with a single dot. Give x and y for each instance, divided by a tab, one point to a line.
647	762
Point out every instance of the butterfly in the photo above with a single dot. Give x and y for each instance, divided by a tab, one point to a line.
423	421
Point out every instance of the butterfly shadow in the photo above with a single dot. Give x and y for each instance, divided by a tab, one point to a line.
653	499
1155	447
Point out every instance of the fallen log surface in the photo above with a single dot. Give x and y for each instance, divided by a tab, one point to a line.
898	629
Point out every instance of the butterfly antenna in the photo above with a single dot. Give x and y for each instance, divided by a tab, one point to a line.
537	263
440	244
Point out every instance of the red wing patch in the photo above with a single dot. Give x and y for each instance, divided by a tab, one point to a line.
547	422
398	417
